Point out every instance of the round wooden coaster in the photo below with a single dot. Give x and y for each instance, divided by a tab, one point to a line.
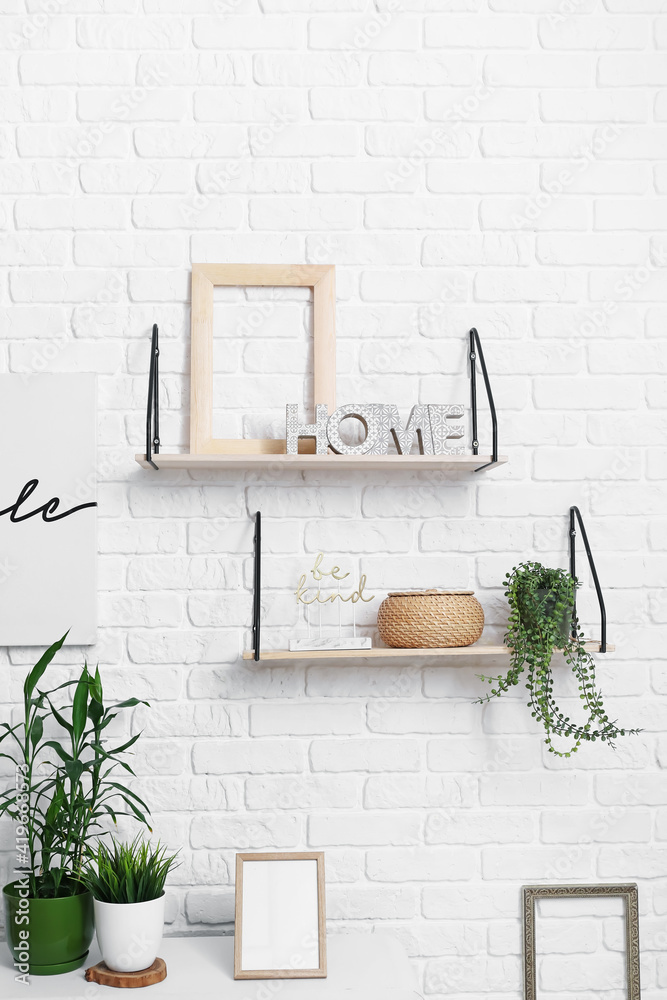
105	976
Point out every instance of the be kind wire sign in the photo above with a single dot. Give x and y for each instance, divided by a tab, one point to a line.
330	588
48	508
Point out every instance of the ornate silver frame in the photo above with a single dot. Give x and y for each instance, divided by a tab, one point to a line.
627	892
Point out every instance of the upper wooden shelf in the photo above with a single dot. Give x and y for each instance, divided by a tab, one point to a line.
592	645
415	463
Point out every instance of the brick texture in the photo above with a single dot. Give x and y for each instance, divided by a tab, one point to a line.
497	163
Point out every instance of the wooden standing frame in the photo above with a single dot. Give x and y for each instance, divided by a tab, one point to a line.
319	973
205	277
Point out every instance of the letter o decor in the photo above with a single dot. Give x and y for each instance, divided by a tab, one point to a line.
374	444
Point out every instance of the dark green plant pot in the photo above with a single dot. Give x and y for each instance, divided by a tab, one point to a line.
532	617
59	931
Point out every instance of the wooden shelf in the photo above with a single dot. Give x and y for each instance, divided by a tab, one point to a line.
415	463
593	646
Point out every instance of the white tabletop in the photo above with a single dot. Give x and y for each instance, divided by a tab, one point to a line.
361	967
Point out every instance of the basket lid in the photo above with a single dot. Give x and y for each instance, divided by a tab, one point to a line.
430	593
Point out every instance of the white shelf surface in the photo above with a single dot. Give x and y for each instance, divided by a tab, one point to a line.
361	967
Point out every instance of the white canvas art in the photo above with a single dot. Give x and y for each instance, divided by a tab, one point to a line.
48	509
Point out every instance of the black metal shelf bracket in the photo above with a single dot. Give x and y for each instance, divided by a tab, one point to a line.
575	513
257	587
153	407
474	353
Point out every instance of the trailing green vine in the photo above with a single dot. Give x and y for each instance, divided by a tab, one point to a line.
541	620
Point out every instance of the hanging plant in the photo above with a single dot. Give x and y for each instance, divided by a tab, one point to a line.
542	620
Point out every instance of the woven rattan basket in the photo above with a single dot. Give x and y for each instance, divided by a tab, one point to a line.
430	618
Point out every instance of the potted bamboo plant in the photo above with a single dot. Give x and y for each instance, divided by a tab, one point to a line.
542	620
63	793
127	884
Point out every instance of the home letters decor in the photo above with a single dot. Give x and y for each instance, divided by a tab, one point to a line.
48	507
431	425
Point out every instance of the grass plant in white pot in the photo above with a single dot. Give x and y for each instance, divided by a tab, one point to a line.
127	883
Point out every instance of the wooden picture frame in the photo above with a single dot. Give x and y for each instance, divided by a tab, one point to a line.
630	895
205	277
297	972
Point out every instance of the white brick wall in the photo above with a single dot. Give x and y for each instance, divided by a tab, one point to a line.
455	159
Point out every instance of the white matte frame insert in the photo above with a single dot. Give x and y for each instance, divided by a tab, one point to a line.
280	930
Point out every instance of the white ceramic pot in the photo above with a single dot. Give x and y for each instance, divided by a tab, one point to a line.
129	934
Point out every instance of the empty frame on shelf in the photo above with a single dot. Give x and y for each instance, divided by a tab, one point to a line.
205	278
280	930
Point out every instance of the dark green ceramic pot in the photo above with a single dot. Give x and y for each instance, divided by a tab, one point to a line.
547	601
59	931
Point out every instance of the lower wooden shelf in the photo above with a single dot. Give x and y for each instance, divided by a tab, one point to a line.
592	645
414	463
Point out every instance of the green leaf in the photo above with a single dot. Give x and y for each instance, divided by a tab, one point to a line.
80	706
9	730
127	791
96	692
60	719
121	749
74	770
137	812
37	671
130	703
95	711
36	731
